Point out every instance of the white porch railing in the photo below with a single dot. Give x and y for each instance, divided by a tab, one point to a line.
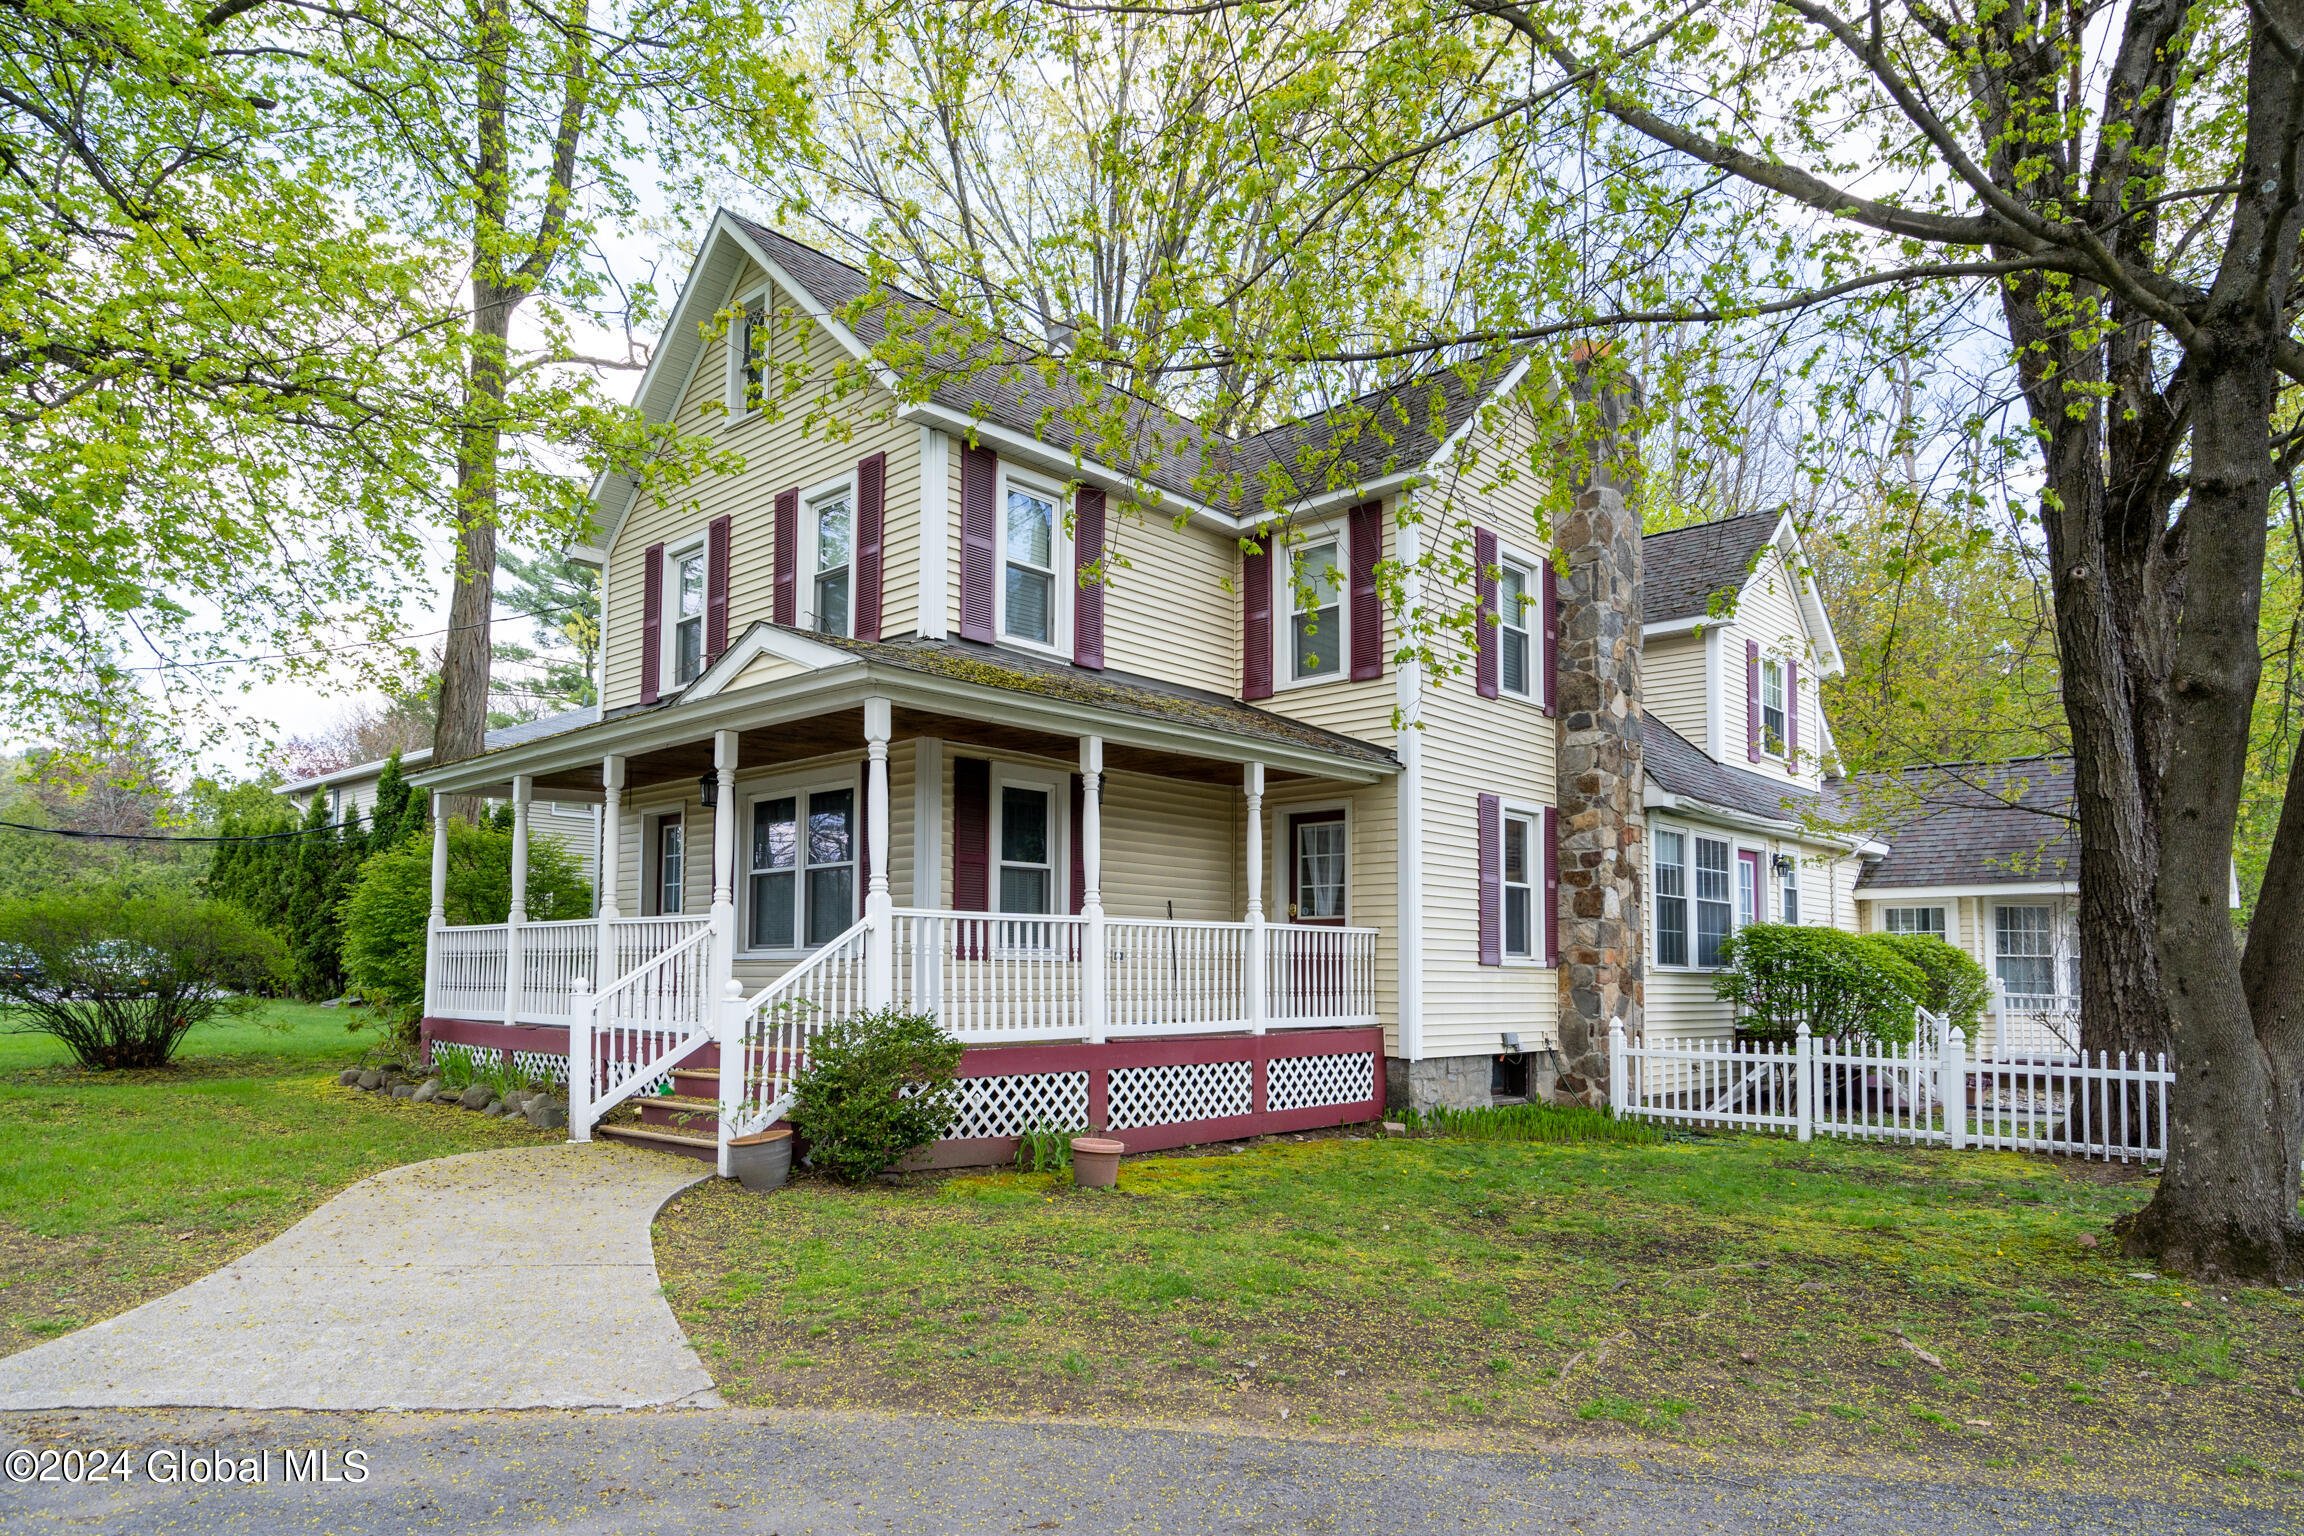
637	940
1932	1090
553	958
989	977
469	970
636	1029
771	1031
2033	1026
1169	978
1317	977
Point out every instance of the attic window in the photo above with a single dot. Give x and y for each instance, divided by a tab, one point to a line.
1772	707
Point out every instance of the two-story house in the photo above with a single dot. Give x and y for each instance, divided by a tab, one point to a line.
932	710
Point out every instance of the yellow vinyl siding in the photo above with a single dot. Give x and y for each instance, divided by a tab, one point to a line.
1769	614
1171	607
1676	689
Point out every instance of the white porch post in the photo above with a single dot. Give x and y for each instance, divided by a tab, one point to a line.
1259	1000
1091	834
879	951
583	1009
723	863
515	967
439	918
611	854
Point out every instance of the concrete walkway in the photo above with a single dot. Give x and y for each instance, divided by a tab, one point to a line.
521	1278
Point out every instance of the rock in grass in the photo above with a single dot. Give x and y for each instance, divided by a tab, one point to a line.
2087	1239
425	1092
493	1111
403	1090
348	1078
545	1115
476	1096
371	1079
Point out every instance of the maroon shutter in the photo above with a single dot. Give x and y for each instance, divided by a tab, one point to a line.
1752	700
787	557
971	835
1551	885
1484	584
1791	709
979	471
1366	528
863	833
1549	658
1256	622
1079	846
1087	580
651	622
716	541
1491	880
871	505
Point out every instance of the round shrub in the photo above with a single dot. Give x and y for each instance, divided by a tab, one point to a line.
1844	986
121	979
876	1087
1958	988
388	911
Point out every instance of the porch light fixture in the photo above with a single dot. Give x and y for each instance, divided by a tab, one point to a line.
1783	861
709	787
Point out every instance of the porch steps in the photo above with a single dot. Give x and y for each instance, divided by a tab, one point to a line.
702	1146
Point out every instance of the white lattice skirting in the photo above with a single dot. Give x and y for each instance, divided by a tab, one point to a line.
1308	1082
1028	1101
538	1066
1200	1090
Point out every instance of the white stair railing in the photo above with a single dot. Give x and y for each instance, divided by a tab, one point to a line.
638	1028
766	1045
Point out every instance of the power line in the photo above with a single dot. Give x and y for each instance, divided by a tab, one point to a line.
157	837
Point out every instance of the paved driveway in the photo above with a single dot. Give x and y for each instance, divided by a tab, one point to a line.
752	1472
520	1278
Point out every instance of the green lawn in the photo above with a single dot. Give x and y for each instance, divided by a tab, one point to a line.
1734	1296
116	1187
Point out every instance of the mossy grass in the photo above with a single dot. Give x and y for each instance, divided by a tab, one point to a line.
1729	1296
119	1186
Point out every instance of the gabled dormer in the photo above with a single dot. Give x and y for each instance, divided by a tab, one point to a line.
1736	644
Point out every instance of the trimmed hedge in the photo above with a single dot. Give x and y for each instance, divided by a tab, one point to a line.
1843	985
1958	987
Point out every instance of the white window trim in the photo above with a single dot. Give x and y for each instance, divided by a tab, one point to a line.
1688	891
797	787
1781	752
1284	606
805	572
1058	784
668	678
1794	879
651	862
1059	643
1944	916
1539	643
740	409
2056	911
1279	851
1538	856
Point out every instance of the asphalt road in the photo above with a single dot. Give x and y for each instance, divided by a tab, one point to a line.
757	1473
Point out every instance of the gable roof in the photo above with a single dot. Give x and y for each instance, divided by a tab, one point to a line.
1680	767
1683	569
1976	824
1016	397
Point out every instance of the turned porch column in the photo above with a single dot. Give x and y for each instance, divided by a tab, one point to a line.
1093	1006
515	966
879	951
1259	1003
723	862
439	917
611	856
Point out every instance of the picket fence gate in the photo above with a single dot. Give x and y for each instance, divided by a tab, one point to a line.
1932	1090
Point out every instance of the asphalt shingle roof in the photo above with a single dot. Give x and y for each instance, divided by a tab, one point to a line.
1975	824
1681	569
1003	382
1681	767
502	736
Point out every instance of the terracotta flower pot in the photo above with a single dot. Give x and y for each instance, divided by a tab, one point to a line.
1096	1161
763	1160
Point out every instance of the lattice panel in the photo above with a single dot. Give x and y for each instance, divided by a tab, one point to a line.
1029	1101
543	1066
478	1055
1305	1082
1201	1090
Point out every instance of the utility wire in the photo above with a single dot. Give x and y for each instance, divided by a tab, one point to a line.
158	837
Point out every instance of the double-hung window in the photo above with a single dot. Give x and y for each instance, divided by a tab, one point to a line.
1772	731
1519	886
803	871
1712	911
1316	619
1515	643
1671	869
1789	878
1028	544
831	521
2024	949
687	615
1027	849
1913	920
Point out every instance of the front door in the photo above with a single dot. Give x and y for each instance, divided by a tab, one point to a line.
1748	887
671	866
1316	868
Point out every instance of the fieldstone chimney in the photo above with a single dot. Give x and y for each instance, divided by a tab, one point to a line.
1601	948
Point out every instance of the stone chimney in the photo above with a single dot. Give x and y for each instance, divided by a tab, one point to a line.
1601	908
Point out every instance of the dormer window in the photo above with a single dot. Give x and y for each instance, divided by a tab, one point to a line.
831	520
687	615
1316	624
1772	730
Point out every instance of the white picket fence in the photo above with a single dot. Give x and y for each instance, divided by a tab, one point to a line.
1929	1091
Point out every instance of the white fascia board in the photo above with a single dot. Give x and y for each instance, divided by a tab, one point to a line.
1028	450
1904	895
356	771
1654	797
1455	442
763	639
847	686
